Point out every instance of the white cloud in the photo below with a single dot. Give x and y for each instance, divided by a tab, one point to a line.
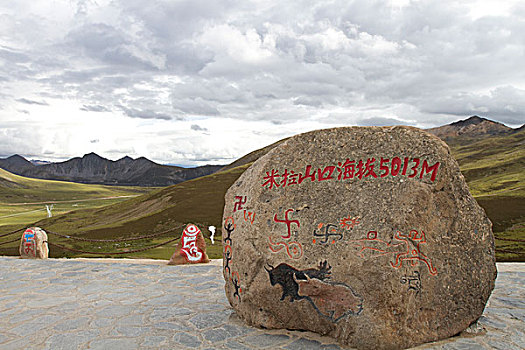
192	81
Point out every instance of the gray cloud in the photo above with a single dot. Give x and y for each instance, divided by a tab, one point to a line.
144	114
32	102
198	128
94	108
379	121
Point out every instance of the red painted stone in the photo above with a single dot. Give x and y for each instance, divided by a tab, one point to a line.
191	248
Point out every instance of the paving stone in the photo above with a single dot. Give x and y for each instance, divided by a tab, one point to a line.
303	343
511	302
124	296
114	311
132	320
175	326
266	340
12	304
134	272
57	289
234	345
114	344
72	324
20	343
462	345
211	319
169	313
491	321
130	331
186	339
102	322
68	341
331	347
7	312
165	300
38	302
35	325
153	341
23	316
194	269
502	345
215	335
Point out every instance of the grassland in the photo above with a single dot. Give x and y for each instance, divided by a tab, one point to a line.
23	200
495	172
493	167
199	201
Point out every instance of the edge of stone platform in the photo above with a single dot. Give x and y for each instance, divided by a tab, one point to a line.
214	262
501	266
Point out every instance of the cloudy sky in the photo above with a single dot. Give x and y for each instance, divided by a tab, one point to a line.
195	82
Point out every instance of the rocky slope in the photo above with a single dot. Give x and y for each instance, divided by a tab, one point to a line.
91	168
472	127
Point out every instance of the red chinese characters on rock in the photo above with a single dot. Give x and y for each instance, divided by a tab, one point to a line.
353	169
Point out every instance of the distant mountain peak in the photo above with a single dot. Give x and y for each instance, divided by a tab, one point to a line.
16	157
15	164
92	155
474	126
125	159
474	120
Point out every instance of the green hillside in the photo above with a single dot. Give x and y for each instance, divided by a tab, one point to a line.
495	172
23	200
19	189
199	201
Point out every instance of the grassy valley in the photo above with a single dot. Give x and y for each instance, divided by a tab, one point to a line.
199	201
23	200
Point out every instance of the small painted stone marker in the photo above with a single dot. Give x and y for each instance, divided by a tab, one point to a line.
191	248
33	244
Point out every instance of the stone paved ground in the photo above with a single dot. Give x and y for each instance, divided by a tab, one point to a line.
94	304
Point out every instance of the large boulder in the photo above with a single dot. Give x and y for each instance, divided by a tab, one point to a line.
33	244
366	234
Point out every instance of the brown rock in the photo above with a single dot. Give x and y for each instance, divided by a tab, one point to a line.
366	234
33	244
191	248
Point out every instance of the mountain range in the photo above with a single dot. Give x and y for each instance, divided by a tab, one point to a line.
94	169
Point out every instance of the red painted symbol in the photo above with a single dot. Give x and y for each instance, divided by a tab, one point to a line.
293	249
349	222
288	222
240	201
401	250
412	255
249	216
189	247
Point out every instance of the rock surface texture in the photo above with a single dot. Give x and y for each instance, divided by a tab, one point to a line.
191	248
366	234
33	244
